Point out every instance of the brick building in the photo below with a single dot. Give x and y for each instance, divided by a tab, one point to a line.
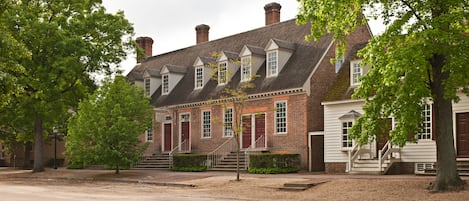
283	112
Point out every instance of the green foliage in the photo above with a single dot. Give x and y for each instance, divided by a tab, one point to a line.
189	162
106	128
50	49
274	163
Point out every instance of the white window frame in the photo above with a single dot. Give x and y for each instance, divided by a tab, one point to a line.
165	84
228	120
199	78
427	113
147	86
246	68
206	125
149	135
350	142
222	73
355	73
284	129
271	61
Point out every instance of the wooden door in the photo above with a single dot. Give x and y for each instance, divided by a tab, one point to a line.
185	136
247	132
317	153
167	138
462	134
383	136
260	130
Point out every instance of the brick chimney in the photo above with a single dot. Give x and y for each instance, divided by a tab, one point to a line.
272	13
202	33
146	43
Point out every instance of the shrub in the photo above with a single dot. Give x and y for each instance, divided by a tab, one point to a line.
189	162
274	163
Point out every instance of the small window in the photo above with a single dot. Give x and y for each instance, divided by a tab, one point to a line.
272	63
228	123
147	86
346	139
338	62
149	135
199	77
281	117
206	124
222	74
426	125
165	84
356	72
245	69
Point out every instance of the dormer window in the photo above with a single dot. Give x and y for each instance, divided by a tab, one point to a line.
272	63
199	77
165	84
147	86
222	73
245	69
356	72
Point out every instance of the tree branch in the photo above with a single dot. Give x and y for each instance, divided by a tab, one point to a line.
414	12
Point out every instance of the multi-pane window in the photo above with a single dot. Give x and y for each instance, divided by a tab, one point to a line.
426	132
165	84
272	63
222	74
281	117
245	69
228	123
147	86
357	72
199	77
149	135
206	124
346	139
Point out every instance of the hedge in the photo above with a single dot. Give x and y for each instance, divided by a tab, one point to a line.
189	162
274	163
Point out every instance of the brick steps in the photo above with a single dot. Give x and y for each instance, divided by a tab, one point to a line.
228	163
155	161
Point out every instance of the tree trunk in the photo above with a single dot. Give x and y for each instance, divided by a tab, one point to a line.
447	177
117	169
28	147
237	158
38	144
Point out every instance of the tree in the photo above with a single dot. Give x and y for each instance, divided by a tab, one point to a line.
423	53
106	128
67	40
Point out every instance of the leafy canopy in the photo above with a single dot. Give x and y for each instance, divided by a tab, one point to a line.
106	128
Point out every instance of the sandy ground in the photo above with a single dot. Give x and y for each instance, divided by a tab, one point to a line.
221	186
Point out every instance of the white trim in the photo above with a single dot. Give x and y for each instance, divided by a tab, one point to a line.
202	124
224	122
308	82
310	158
286	117
357	61
146	134
248	78
342	102
226	72
163	133
195	77
163	84
268	73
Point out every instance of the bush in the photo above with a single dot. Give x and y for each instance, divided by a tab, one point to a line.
189	162
274	163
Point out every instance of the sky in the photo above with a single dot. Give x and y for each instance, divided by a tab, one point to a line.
171	23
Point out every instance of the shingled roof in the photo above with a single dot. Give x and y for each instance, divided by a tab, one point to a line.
294	74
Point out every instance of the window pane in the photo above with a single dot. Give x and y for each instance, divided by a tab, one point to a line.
281	117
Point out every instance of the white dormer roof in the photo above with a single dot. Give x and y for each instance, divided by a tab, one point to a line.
274	44
227	55
175	74
249	50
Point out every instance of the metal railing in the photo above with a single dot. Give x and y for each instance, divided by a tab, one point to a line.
214	157
176	149
259	143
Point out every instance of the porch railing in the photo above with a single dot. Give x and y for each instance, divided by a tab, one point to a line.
214	157
354	153
386	153
259	143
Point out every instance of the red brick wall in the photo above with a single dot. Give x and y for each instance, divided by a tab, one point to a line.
335	168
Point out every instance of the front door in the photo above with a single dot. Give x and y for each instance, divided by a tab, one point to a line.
462	134
260	130
382	138
167	138
317	153
185	132
247	131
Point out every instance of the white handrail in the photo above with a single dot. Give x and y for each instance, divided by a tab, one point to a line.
174	150
260	142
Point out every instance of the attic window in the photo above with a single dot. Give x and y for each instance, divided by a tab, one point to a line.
356	72
199	77
147	86
272	63
245	69
165	87
222	73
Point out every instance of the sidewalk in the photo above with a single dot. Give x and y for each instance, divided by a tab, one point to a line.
170	178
